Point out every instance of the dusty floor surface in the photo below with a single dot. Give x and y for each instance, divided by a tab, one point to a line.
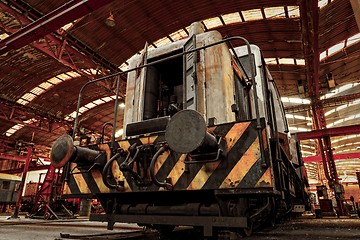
312	228
302	228
36	229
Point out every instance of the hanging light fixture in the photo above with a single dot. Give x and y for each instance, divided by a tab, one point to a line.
110	21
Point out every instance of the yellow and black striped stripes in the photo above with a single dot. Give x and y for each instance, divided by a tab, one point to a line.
82	182
242	167
177	170
265	180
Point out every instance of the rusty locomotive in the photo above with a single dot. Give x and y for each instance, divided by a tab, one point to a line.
205	143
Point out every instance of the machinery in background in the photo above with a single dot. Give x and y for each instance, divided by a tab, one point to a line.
46	202
325	207
205	143
9	186
326	204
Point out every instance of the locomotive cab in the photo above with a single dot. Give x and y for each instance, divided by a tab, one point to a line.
196	81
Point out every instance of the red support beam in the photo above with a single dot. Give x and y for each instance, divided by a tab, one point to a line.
309	12
57	46
50	22
15	113
340	156
52	44
310	24
328	132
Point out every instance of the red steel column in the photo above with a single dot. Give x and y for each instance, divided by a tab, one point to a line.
22	183
310	28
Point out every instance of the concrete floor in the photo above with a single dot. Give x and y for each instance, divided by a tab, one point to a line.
36	229
303	228
329	228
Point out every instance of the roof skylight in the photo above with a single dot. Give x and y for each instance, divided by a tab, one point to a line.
14	129
339	90
299	129
212	22
291	61
307	146
352	117
19	126
293	11
270	60
348	150
348	144
274	12
3	36
353	39
67	26
300	62
286	61
295	100
335	48
89	106
340	46
342	107
178	35
231	18
162	41
43	87
252	15
54	80
307	153
345	138
298	117
323	3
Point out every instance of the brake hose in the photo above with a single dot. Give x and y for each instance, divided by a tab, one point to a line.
168	186
106	173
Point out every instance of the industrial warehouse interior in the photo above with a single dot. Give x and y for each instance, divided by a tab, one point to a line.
179	119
